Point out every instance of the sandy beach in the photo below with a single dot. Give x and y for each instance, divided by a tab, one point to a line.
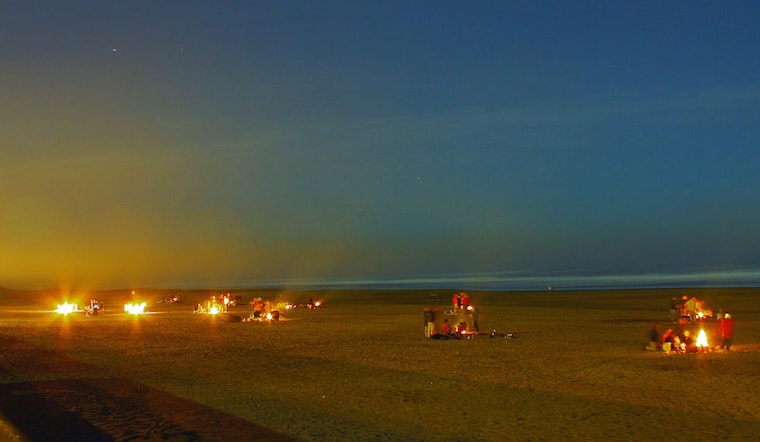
360	369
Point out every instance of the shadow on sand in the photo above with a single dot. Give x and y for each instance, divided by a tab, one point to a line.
54	406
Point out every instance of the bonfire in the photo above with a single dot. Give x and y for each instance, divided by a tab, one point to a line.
702	343
66	308
135	308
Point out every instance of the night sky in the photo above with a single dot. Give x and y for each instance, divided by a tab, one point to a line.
202	143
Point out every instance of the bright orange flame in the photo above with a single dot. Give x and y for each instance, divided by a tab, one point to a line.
66	308
134	309
702	339
213	310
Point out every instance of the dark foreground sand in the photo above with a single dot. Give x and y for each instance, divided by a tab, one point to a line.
360	369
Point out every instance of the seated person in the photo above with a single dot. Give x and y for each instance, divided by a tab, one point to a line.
668	340
653	339
445	327
688	344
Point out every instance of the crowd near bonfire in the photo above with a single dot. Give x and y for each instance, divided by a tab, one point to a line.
91	309
458	322
217	304
260	309
694	328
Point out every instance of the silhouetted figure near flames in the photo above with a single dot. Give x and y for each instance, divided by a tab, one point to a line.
726	331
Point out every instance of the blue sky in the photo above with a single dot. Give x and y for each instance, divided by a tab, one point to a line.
198	143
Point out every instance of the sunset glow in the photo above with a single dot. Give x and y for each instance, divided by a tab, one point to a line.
377	141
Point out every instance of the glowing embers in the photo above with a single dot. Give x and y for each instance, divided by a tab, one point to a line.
66	308
135	309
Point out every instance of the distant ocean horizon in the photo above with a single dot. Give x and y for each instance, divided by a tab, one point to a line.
521	282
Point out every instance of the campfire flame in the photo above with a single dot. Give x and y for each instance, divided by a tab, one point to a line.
66	308
702	340
213	310
135	309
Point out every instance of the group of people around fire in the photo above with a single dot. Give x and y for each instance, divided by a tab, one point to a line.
464	313
716	331
695	327
688	309
217	304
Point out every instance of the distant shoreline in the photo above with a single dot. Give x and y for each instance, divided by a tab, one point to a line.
493	281
374	289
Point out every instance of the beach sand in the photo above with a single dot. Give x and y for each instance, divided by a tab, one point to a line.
360	369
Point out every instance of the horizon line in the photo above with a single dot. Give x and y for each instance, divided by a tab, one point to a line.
488	281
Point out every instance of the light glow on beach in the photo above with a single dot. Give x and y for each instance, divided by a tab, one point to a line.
135	309
66	308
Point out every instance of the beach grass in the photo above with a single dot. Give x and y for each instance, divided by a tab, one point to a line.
360	369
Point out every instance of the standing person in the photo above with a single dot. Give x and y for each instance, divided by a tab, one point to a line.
429	314
726	331
465	300
674	310
716	334
691	308
456	300
681	308
474	316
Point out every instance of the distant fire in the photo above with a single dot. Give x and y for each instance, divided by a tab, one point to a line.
135	309
311	304
66	308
